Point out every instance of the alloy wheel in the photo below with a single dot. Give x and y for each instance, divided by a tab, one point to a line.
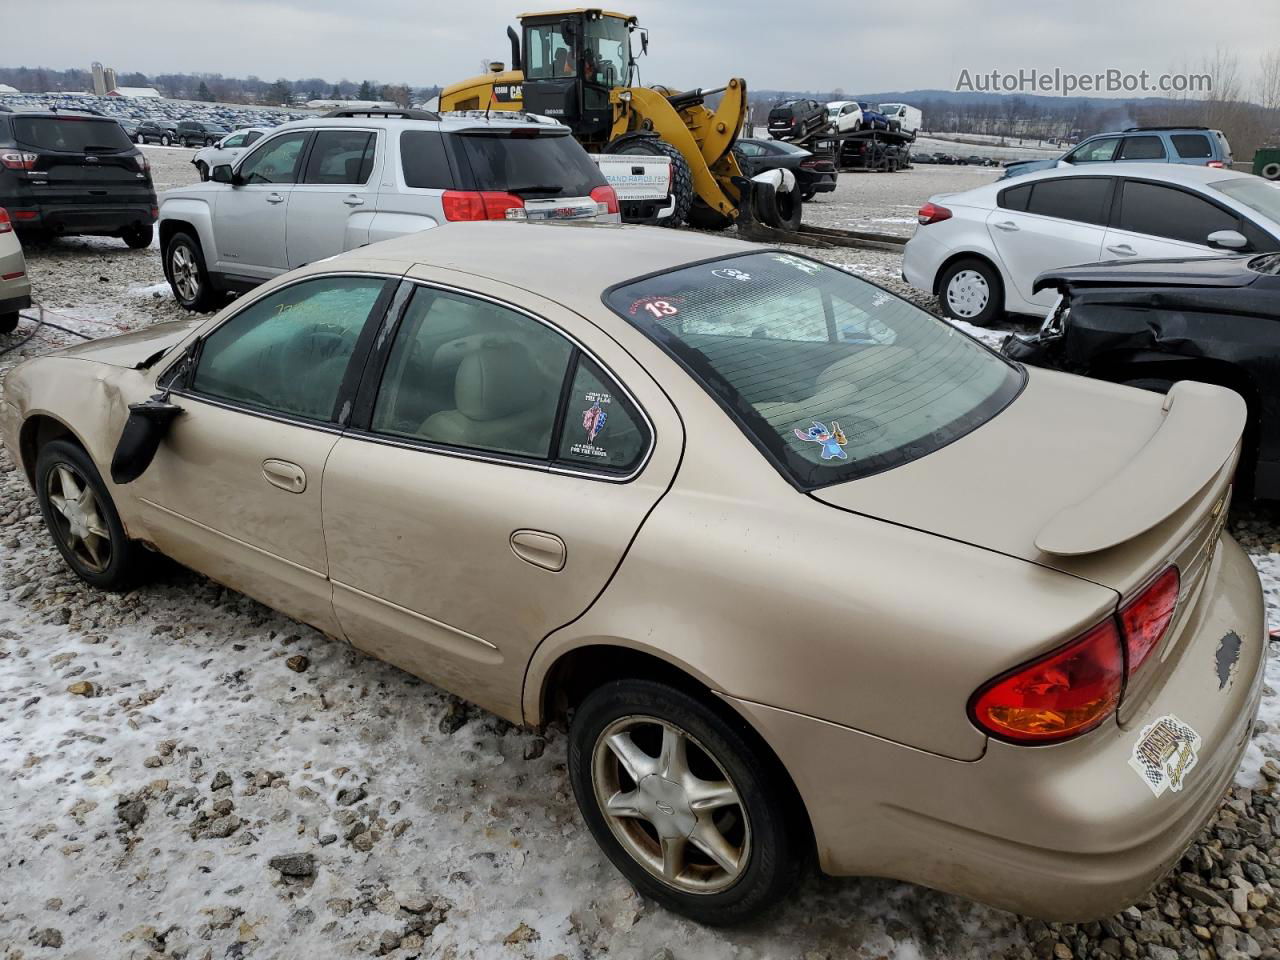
77	515
968	294
670	804
185	273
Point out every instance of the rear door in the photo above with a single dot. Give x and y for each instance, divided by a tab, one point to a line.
1154	221
79	162
501	457
334	201
1055	222
250	218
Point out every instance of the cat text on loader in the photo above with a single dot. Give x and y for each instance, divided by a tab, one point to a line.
577	67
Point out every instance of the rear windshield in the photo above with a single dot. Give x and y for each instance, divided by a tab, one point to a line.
781	113
833	378
546	165
1255	193
70	134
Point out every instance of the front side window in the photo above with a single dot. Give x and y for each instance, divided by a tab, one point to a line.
468	373
832	377
340	156
1142	148
1082	199
549	53
276	161
1096	151
1160	211
288	352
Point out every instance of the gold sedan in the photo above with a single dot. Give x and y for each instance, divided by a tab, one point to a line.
810	571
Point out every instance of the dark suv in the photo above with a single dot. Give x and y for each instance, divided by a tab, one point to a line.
163	132
793	119
198	131
74	174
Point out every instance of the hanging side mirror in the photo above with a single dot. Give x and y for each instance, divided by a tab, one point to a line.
147	425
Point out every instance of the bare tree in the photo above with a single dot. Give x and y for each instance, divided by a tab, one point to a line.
1269	81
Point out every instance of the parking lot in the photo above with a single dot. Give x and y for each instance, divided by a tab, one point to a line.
269	792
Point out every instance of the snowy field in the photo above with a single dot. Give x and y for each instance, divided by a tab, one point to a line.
184	773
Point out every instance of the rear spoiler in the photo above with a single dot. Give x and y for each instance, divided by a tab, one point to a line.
1200	433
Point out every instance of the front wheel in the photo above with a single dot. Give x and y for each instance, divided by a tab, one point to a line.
202	169
138	237
9	322
82	519
971	290
164	140
686	806
184	267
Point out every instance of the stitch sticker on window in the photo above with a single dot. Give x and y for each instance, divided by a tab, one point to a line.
833	440
600	426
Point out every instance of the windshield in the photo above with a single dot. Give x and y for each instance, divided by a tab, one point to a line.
1255	193
554	163
70	134
832	377
607	52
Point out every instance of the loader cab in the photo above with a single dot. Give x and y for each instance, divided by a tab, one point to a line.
571	61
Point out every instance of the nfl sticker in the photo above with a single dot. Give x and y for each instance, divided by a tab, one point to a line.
1166	751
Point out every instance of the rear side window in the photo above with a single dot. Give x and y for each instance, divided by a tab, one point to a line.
423	158
1192	146
340	156
70	134
1142	148
601	428
1173	214
1016	198
543	165
1082	199
831	377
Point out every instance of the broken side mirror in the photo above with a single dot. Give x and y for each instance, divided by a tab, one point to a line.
147	424
1228	240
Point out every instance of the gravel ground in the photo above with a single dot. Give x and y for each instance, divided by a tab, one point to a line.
184	773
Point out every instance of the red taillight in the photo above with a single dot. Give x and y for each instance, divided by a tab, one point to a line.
932	213
6	225
1218	164
605	199
1061	695
143	163
19	161
25	214
12	276
155	213
481	205
1145	619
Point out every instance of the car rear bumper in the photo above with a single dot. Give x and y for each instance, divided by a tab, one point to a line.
921	258
85	219
1063	832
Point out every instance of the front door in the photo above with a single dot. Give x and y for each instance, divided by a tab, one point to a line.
235	488
249	218
334	200
490	489
1154	221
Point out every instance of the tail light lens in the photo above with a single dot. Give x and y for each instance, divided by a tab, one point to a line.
143	163
6	225
1145	619
1217	164
462	205
932	213
605	198
19	161
1061	695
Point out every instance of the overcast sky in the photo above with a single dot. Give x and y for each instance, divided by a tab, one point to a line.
858	45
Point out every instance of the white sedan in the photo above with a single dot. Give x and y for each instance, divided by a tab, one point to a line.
980	251
227	149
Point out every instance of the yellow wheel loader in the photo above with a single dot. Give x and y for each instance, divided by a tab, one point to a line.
577	67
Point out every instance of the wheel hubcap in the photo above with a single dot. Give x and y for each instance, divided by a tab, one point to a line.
670	804
182	267
968	294
77	516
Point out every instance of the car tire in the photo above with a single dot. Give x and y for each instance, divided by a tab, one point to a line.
188	277
758	852
81	518
138	238
139	138
971	290
202	169
1271	171
778	209
808	195
702	217
164	140
9	322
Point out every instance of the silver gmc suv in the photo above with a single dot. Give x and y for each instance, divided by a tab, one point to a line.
315	188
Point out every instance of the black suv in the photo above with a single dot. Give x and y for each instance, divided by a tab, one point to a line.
198	131
794	119
163	132
74	174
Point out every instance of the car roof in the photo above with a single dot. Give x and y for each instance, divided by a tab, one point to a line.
1193	175
602	255
446	123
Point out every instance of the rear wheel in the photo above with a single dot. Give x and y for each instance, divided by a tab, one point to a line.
138	237
188	278
971	290
681	177
1271	171
9	322
164	140
82	519
683	802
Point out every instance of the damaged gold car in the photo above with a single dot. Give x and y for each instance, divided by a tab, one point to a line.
809	570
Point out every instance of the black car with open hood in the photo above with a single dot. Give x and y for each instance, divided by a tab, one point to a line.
1151	323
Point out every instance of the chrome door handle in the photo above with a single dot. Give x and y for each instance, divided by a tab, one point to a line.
1123	250
353	201
274	198
1008	226
285	475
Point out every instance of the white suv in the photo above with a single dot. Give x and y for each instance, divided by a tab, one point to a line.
315	188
